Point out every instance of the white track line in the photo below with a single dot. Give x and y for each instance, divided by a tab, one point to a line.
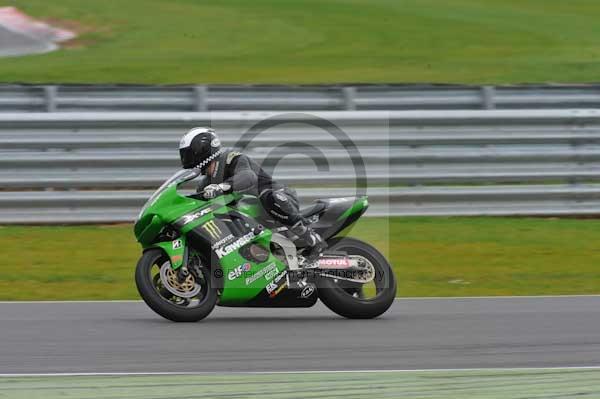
75	301
423	298
174	373
420	298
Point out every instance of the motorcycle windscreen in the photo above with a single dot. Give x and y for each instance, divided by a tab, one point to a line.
180	176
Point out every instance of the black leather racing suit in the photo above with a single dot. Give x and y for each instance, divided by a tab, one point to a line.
248	177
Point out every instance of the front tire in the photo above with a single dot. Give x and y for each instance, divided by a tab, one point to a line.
341	297
162	301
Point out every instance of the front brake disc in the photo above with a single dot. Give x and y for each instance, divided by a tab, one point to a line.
189	288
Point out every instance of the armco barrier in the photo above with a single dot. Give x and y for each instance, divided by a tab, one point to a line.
100	167
103	98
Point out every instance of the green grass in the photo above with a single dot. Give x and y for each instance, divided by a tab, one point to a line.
450	384
318	41
431	257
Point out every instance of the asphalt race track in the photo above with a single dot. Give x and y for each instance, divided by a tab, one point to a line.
13	44
415	334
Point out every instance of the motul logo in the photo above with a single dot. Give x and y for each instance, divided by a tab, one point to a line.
328	262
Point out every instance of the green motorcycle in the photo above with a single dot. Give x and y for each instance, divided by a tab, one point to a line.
228	252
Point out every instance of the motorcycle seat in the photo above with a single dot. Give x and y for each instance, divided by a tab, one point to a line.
317	207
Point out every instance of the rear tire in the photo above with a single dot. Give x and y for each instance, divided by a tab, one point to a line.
152	296
335	296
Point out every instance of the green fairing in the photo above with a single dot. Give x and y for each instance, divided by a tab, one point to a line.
169	206
358	206
147	228
249	283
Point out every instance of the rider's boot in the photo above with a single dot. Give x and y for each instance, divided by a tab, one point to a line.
314	243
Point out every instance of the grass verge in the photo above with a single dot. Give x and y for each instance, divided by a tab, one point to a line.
316	41
451	384
431	257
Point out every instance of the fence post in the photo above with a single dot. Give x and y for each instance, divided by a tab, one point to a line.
488	93
50	93
349	94
200	98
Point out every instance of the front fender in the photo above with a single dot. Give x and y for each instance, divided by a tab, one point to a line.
174	249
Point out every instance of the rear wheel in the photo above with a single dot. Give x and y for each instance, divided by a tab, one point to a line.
178	299
357	300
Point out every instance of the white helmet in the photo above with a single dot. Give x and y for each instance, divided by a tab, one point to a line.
199	147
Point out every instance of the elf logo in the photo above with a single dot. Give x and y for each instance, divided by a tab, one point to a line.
238	271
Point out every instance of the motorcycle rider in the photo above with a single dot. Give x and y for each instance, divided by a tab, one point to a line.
231	171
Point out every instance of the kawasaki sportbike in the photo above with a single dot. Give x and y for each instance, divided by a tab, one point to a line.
228	252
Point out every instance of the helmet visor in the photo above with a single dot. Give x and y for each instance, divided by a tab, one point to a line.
188	160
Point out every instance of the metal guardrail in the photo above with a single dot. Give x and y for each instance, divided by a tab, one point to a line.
100	167
102	98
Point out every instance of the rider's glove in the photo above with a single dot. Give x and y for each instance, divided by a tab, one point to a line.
214	190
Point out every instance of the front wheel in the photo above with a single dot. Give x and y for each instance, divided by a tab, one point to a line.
163	291
355	300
